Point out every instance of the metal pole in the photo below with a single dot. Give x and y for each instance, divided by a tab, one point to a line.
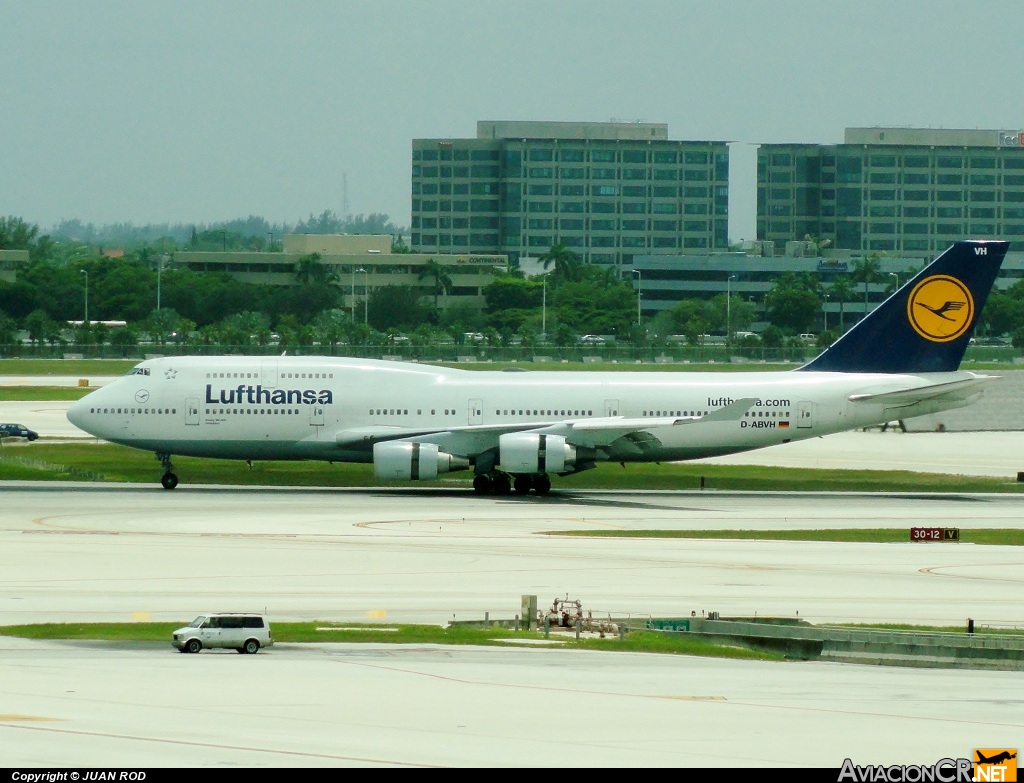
353	294
366	294
826	313
893	274
159	270
728	308
639	294
544	311
86	295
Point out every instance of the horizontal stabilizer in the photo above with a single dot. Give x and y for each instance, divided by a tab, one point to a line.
952	391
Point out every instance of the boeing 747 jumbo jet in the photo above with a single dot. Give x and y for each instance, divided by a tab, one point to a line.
515	429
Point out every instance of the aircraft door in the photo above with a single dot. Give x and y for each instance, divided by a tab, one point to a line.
611	407
192	411
316	415
803	415
476	411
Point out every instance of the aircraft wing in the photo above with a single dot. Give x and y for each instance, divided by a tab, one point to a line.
602	432
596	432
962	389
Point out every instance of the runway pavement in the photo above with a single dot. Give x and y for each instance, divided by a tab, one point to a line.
98	552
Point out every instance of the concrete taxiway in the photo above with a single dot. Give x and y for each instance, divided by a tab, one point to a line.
98	552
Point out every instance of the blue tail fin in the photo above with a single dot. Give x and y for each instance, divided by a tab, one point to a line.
927	324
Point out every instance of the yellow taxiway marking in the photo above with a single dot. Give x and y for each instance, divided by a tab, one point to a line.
10	718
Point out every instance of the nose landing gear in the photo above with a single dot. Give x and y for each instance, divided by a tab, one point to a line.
169	480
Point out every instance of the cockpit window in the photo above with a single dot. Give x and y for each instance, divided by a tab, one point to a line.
139	371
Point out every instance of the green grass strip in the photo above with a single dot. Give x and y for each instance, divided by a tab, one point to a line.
635	641
42	393
61	461
867	535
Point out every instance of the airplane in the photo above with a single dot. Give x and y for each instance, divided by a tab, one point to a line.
996	759
516	429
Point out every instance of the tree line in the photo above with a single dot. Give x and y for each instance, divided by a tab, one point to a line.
570	299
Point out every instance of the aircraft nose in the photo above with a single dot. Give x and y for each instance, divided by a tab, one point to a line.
76	413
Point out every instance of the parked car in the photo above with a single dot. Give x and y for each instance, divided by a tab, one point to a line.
17	431
246	633
592	339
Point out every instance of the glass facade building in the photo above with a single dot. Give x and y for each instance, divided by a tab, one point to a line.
608	191
893	189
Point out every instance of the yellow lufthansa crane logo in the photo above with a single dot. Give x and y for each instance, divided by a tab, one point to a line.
940	308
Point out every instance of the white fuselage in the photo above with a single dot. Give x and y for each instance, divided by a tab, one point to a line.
316	407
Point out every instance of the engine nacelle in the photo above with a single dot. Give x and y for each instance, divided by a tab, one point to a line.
413	461
531	452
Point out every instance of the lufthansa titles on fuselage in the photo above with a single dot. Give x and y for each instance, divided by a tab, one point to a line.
257	395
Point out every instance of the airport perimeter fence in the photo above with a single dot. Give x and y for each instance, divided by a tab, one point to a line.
619	354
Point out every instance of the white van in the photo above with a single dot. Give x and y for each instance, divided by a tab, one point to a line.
243	632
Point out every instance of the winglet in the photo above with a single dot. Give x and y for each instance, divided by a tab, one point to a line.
927	324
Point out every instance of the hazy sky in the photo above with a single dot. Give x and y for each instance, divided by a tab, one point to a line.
184	111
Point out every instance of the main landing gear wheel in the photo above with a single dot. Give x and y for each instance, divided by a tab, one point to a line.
501	484
541	484
523	484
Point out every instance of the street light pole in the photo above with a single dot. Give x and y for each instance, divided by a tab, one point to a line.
728	308
159	269
544	310
366	295
353	308
893	274
825	311
86	295
639	293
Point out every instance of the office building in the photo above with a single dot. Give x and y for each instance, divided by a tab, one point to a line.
608	191
893	189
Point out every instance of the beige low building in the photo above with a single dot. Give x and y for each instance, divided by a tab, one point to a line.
358	264
10	262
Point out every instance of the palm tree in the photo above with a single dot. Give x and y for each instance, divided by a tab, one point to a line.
567	264
868	270
442	281
310	270
841	291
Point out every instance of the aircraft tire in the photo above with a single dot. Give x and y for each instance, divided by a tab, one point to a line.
481	484
502	486
522	484
542	484
169	480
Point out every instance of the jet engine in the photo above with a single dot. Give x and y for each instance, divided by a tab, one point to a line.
531	452
413	461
